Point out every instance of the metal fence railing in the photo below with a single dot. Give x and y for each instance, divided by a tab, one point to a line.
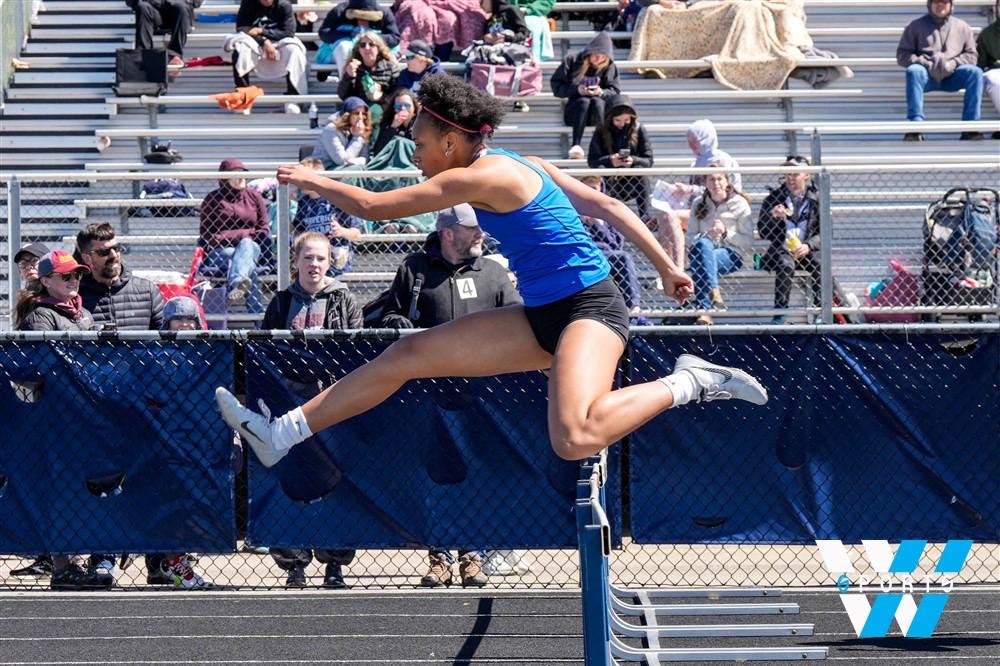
874	259
113	446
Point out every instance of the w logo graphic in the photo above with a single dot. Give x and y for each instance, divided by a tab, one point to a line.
872	621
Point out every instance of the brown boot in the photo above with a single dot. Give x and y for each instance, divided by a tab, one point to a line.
703	320
470	570
439	573
715	295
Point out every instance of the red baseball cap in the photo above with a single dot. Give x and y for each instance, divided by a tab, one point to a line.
59	261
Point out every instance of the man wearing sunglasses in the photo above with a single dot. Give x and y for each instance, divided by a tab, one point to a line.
117	298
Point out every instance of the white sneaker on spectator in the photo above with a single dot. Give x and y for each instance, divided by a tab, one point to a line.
576	153
254	428
292	108
718	382
506	563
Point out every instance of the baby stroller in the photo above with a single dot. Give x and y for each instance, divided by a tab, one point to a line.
960	250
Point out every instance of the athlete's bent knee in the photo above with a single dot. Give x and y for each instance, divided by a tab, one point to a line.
570	449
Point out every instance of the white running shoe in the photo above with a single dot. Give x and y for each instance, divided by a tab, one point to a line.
254	428
718	382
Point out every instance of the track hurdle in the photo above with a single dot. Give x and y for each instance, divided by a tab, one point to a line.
605	605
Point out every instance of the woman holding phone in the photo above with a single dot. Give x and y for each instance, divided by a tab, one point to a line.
622	142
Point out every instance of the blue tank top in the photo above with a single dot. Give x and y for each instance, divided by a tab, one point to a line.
545	242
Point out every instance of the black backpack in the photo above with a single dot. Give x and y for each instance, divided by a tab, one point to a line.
140	72
374	308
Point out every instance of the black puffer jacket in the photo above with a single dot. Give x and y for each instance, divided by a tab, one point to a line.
133	303
47	317
447	291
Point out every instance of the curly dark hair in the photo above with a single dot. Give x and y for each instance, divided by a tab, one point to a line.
465	105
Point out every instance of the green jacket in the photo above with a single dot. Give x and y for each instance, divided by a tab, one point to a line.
534	7
988	46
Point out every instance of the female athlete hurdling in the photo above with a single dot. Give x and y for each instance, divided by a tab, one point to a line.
574	320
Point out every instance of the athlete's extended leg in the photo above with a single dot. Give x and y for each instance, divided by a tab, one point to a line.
466	347
585	415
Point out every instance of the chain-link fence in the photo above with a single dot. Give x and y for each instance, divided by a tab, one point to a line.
114	452
883	243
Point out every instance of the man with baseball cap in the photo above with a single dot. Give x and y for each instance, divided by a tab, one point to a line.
27	261
447	279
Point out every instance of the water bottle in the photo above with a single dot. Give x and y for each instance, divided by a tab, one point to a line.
313	116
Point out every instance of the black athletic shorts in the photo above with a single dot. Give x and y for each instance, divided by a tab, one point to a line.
602	302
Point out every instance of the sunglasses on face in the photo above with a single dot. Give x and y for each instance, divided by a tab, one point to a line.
27	263
798	159
366	45
72	275
410	56
403	105
105	251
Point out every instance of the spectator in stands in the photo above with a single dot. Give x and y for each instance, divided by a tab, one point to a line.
371	73
27	261
319	215
174	16
574	321
448	278
234	232
611	242
345	137
536	18
265	43
181	313
938	52
420	61
345	23
402	110
622	142
313	301
789	219
52	303
988	47
672	223
586	80
445	25
118	300
719	238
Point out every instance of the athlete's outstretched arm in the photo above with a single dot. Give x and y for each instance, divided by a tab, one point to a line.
443	190
589	201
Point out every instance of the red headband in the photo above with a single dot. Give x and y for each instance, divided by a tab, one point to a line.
484	128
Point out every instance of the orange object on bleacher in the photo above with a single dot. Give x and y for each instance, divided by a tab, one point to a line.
240	99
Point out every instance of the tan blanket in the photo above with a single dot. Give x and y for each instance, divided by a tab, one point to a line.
750	44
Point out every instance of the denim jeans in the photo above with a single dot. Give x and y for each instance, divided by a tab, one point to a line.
918	81
708	262
451	558
239	263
